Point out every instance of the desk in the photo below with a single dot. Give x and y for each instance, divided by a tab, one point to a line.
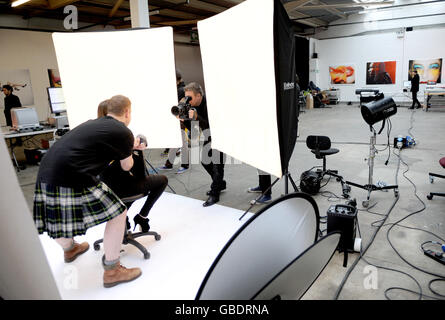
434	97
13	134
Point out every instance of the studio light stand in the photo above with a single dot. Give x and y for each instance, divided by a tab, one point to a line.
372	113
168	185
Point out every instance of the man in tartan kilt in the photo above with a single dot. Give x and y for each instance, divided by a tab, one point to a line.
69	198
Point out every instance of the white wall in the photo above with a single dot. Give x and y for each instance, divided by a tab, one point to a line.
417	44
35	51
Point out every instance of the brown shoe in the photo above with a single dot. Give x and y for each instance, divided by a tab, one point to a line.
119	274
76	251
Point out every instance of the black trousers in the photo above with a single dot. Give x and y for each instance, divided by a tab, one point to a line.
151	186
213	162
7	113
265	183
127	184
415	99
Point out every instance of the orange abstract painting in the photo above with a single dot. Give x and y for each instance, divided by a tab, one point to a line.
342	74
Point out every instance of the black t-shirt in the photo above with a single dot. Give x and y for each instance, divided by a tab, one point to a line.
84	152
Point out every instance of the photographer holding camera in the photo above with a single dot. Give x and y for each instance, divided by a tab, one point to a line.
195	105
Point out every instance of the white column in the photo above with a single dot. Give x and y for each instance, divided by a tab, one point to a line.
139	14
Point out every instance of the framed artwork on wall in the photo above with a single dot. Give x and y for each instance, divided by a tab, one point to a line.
342	74
382	72
54	78
429	70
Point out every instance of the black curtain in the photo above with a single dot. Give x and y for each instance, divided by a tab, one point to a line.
302	61
287	95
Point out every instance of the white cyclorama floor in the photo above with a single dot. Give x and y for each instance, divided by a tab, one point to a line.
192	237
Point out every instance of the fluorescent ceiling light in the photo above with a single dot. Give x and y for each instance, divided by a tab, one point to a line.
19	2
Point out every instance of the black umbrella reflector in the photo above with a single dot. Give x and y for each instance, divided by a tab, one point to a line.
297	277
261	248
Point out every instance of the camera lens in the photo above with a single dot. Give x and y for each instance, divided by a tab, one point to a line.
175	111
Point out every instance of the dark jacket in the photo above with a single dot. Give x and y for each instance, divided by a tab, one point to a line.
415	83
11	101
181	92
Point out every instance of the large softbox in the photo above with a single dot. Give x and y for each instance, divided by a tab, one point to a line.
138	63
248	56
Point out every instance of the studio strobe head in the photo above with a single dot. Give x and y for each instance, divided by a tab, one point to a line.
378	110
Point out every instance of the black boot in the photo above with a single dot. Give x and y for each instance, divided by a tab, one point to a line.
211	201
143	222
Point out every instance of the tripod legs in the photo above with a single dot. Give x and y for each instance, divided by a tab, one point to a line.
158	173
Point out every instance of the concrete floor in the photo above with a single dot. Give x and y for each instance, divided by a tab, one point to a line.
350	134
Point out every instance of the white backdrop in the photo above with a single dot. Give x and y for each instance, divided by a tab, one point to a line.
139	64
237	49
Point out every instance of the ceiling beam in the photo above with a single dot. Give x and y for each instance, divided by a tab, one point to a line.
334	11
55	4
177	23
293	5
345	5
115	8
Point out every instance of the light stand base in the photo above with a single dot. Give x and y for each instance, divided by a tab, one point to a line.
371	188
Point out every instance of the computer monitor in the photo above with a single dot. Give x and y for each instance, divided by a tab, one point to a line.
56	100
25	119
407	84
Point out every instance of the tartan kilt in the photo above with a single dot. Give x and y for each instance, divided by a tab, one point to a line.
65	212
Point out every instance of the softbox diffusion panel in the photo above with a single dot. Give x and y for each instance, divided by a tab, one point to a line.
261	248
285	70
237	50
297	277
138	63
25	271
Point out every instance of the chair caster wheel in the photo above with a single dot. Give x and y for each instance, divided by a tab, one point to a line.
365	203
429	197
158	237
147	255
338	179
96	247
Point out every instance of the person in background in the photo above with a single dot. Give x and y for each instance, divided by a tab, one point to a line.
317	94
184	151
212	160
264	187
68	197
415	80
180	84
11	101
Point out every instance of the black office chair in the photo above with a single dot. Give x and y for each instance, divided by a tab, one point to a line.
115	178
129	237
321	147
431	175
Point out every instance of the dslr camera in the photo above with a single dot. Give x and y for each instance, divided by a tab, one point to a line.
182	109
